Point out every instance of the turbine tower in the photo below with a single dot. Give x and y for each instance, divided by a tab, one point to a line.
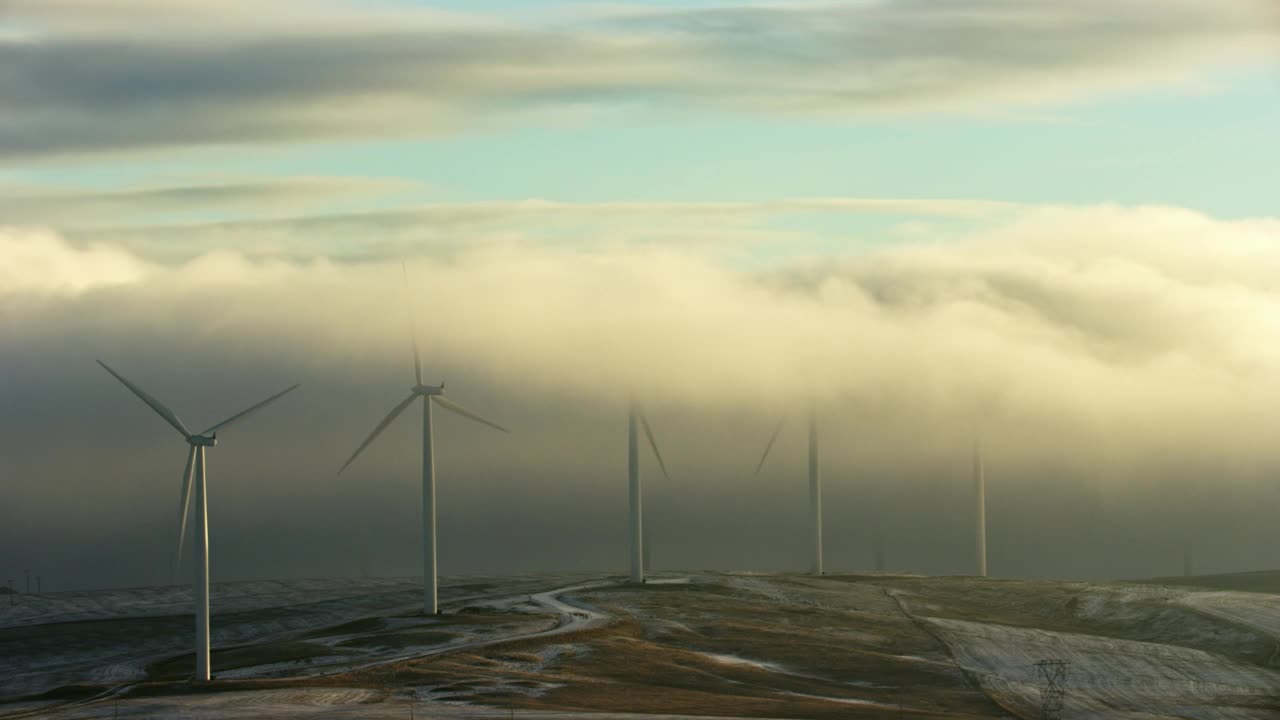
429	394
815	493
980	489
877	545
815	486
196	463
648	549
639	535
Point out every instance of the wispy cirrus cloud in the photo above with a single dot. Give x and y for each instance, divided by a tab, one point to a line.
448	227
87	77
69	207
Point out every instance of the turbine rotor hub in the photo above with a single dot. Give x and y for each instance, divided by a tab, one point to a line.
204	440
428	389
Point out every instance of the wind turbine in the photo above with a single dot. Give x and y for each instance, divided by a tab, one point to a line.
195	463
639	534
815	485
877	546
980	489
429	394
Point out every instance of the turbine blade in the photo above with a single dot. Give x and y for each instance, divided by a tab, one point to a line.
391	416
183	507
769	445
245	413
155	404
451	405
644	422
413	326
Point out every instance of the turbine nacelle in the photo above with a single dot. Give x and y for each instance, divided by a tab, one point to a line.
429	394
203	440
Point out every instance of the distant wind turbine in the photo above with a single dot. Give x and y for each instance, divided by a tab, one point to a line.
877	548
639	534
980	490
429	394
196	463
815	485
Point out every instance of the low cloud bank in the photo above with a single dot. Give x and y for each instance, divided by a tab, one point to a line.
1123	358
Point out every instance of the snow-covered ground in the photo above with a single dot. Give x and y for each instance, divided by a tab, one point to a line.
1109	677
1133	650
177	599
1259	611
739	660
334	704
574	614
1202	654
569	615
28	673
111	636
230	597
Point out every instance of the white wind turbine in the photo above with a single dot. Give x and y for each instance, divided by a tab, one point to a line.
815	485
429	394
195	462
639	535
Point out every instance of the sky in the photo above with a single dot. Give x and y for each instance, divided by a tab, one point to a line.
1048	226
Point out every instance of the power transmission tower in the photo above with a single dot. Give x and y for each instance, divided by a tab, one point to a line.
1053	694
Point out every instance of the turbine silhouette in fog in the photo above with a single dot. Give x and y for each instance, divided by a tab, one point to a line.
195	463
815	485
639	538
980	490
429	394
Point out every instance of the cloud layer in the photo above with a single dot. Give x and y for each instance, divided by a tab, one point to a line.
1132	300
71	207
447	229
1119	363
86	77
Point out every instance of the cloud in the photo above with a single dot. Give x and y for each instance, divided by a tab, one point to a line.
64	207
1120	363
1131	301
445	228
88	77
39	262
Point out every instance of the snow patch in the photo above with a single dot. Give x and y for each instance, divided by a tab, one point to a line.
739	660
846	701
1107	677
1255	610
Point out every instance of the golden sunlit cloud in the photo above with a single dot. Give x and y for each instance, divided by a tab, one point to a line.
1149	322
